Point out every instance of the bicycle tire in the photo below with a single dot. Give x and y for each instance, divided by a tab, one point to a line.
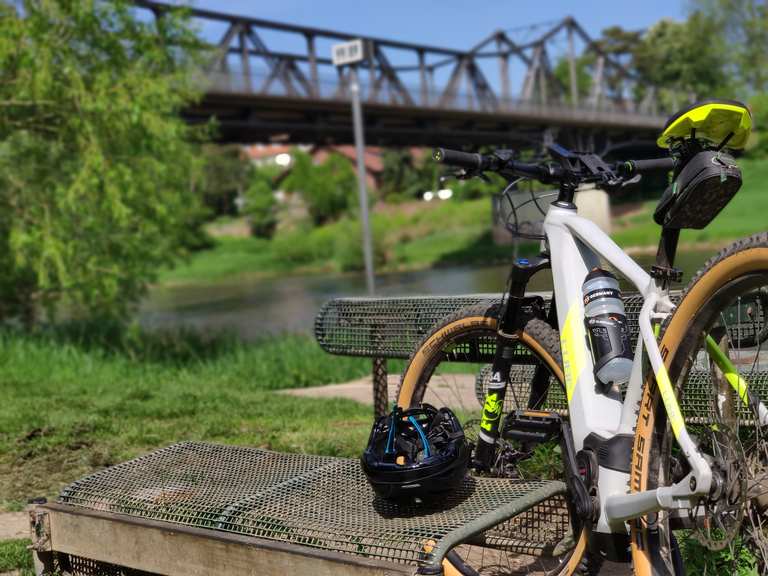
467	325
705	302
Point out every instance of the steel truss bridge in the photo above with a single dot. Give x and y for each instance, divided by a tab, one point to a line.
419	95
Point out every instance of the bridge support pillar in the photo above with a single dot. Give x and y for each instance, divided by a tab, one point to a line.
594	204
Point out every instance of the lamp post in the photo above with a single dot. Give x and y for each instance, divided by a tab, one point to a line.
350	54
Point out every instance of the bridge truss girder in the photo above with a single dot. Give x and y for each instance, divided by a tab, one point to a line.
259	93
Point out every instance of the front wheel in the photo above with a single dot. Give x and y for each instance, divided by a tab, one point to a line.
722	316
446	370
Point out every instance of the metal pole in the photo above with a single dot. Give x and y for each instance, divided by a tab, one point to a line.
357	120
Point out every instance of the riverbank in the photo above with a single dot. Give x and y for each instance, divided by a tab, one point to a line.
423	235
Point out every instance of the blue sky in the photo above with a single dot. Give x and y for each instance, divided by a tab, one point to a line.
449	23
456	24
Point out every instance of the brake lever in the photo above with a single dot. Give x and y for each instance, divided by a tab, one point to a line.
632	181
465	175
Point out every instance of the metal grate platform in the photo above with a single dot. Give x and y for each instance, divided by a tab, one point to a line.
321	502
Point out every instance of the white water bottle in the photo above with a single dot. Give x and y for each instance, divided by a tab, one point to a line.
607	328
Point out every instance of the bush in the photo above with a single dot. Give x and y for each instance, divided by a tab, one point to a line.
348	245
328	189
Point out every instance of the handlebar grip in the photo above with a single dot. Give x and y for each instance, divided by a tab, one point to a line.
459	159
654	165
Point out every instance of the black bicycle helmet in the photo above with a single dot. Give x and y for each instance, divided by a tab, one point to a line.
419	452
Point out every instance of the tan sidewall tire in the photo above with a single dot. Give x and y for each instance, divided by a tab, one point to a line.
423	356
424	353
730	267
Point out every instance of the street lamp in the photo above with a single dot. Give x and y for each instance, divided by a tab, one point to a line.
350	54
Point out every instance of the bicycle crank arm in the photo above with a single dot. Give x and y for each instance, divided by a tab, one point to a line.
623	507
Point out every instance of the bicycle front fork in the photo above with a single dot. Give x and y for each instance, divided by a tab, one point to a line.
516	311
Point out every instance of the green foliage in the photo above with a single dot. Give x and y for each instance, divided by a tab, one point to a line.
96	166
16	555
583	71
260	204
700	560
759	107
328	188
688	58
225	176
348	245
743	26
406	178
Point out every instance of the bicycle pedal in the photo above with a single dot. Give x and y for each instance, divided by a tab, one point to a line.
531	426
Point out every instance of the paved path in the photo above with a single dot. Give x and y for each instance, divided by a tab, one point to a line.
452	390
14	525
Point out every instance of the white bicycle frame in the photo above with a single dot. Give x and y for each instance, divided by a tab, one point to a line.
576	246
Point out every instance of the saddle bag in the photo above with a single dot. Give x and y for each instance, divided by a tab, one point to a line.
702	188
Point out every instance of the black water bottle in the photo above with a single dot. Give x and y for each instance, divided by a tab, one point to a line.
607	328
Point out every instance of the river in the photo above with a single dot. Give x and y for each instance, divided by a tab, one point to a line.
252	308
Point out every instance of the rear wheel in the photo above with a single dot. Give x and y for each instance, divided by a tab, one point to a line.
723	312
448	369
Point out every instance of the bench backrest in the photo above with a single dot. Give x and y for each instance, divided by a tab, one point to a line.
392	327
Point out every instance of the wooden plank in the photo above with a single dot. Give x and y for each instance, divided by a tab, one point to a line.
170	549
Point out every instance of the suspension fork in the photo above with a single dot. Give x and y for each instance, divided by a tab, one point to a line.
511	321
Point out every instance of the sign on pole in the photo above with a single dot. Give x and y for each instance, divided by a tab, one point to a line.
348	53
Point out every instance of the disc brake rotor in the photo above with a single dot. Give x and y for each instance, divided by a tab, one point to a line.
717	519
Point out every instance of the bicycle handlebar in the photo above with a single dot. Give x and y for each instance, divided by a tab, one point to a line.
470	161
654	165
503	163
481	162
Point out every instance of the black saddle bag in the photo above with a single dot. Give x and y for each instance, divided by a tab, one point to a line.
700	191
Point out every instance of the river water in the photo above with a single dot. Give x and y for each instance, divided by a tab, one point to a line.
252	308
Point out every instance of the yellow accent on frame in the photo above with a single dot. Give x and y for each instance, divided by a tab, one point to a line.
572	342
740	385
670	401
713	121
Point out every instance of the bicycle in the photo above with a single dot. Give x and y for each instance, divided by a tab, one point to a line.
678	451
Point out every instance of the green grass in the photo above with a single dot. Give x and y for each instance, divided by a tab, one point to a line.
746	214
74	404
416	236
14	555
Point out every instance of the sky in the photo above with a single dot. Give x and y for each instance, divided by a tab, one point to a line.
458	24
449	23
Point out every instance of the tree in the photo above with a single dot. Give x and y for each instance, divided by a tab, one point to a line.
688	57
328	189
260	204
743	24
96	166
583	65
225	176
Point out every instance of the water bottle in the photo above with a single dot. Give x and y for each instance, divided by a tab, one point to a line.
607	329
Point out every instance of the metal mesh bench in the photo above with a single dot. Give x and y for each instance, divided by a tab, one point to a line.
384	328
317	502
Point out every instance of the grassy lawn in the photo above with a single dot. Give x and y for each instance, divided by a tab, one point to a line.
405	237
71	406
14	555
